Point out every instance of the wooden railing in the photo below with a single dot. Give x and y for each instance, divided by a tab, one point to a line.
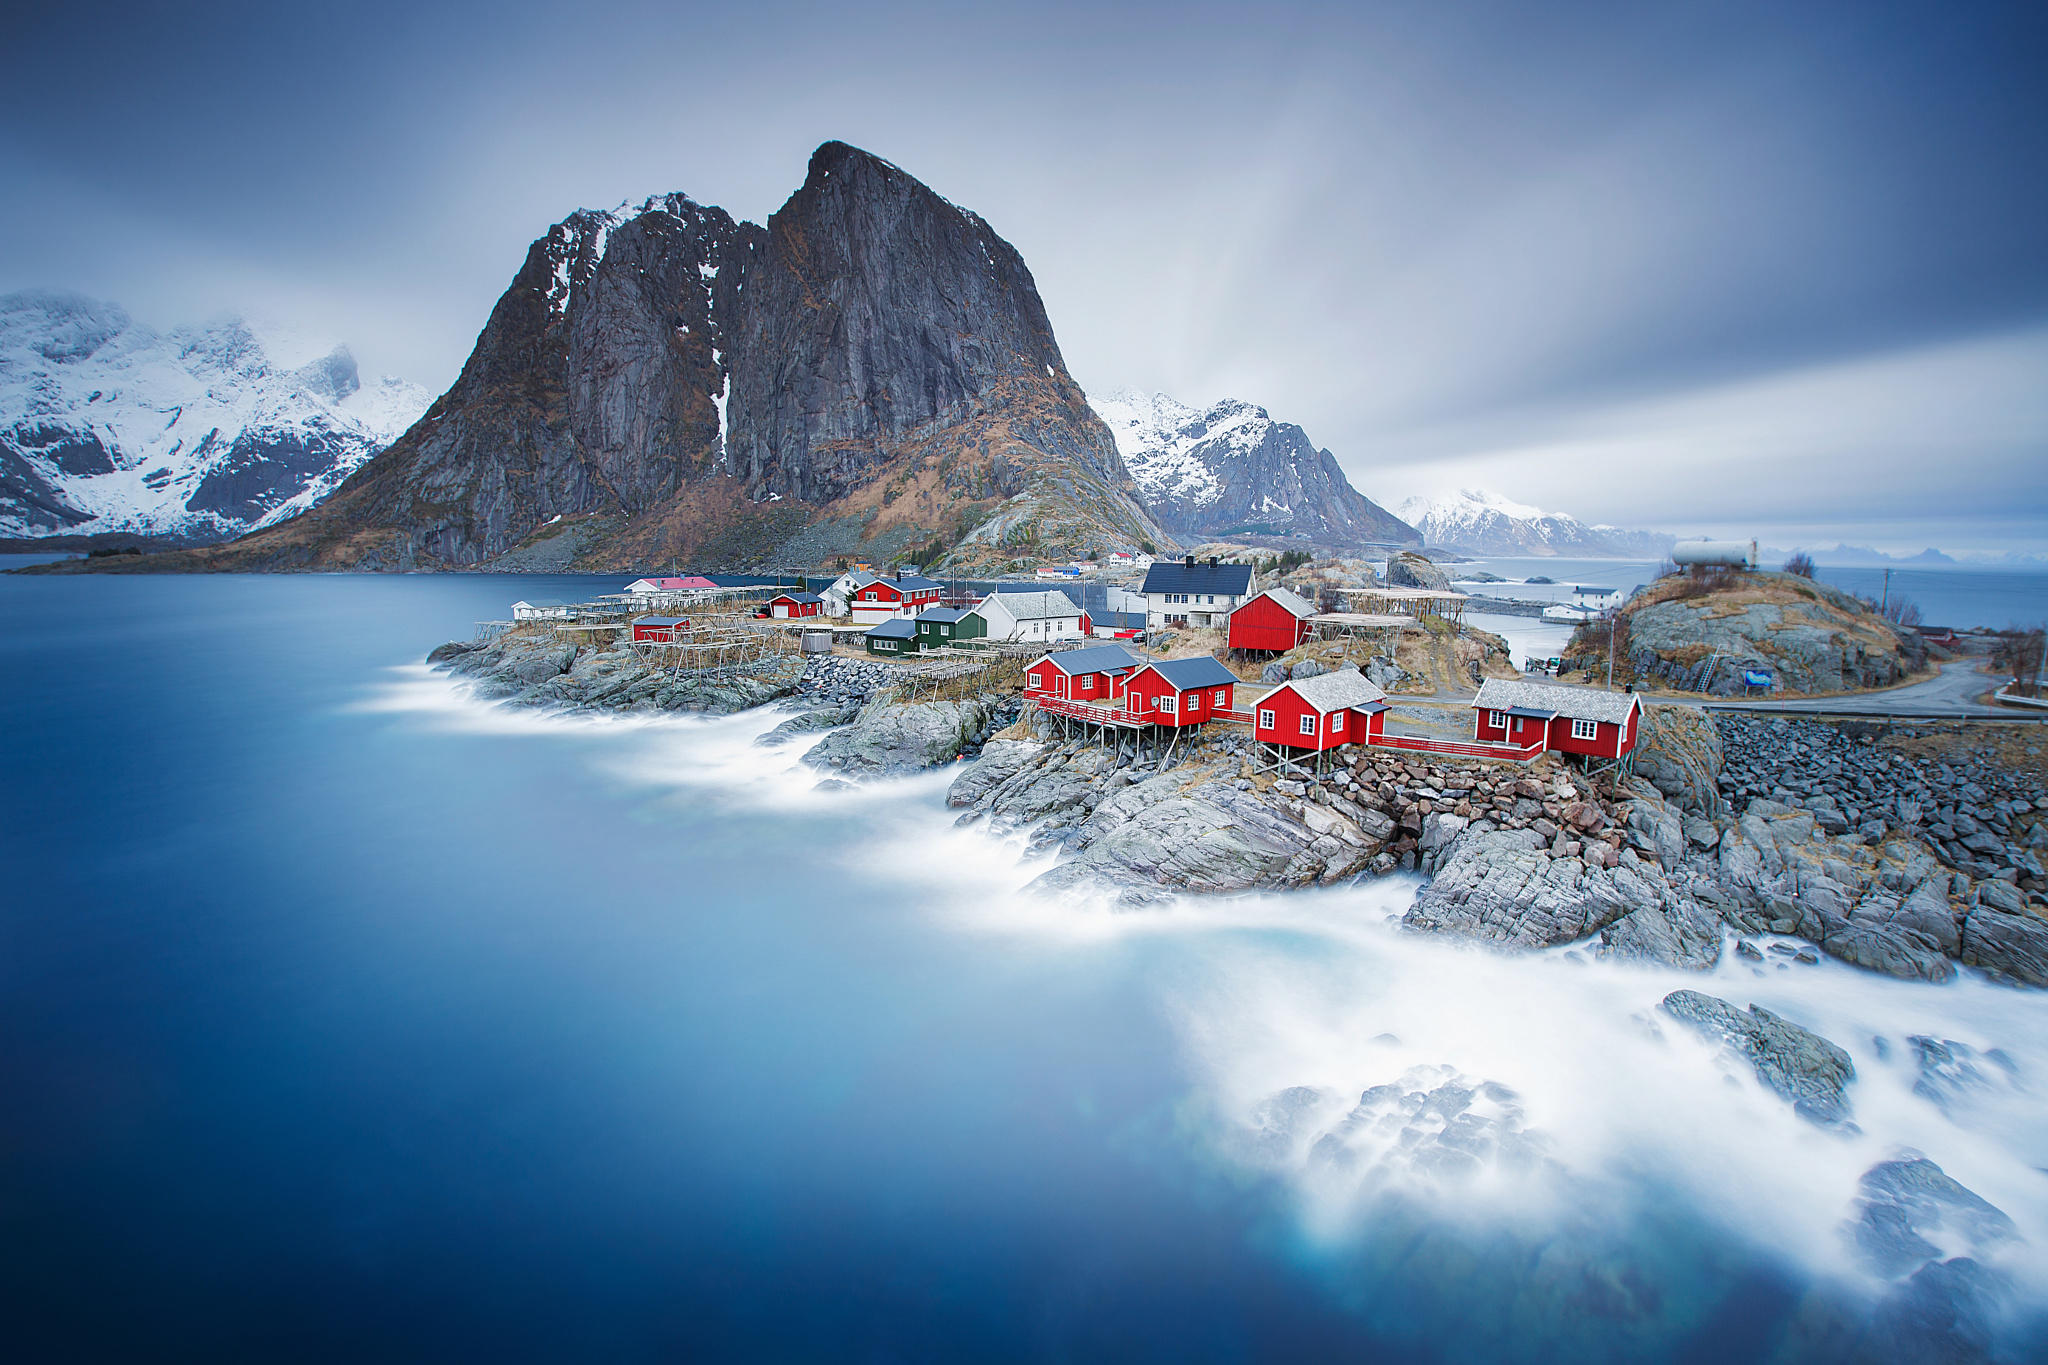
1462	748
1096	713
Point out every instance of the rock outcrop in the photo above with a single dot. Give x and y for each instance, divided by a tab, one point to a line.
1795	1063
892	738
666	383
1812	638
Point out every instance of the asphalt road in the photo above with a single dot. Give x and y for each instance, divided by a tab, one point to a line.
1947	695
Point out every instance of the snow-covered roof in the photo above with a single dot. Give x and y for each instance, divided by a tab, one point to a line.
1336	691
1579	703
1037	606
1295	604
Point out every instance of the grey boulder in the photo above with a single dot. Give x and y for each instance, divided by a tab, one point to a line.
1795	1063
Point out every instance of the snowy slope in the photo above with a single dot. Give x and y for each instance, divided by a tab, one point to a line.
1479	522
200	432
1232	469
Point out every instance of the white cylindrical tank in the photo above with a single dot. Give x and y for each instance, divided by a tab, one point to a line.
1734	553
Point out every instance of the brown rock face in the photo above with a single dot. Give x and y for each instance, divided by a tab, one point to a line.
676	384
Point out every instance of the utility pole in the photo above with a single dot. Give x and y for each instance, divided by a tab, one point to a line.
1611	613
1885	601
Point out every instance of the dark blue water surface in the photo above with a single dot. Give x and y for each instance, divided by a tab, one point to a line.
334	1026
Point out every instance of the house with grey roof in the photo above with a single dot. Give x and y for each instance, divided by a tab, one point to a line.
1589	721
1049	616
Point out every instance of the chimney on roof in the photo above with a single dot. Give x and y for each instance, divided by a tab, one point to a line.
1212	561
1189	561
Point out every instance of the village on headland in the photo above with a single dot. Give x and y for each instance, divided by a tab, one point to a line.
1237	723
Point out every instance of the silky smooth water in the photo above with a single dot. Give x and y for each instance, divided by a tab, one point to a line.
343	1018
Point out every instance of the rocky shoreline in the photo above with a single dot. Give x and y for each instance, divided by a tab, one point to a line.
1901	851
1730	828
1664	866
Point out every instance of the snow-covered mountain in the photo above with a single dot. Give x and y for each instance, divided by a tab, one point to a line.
200	433
1476	522
1234	470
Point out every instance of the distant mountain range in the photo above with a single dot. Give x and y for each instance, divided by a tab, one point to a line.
200	433
1852	556
1230	469
1481	523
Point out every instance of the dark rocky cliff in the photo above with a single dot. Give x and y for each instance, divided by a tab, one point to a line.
873	367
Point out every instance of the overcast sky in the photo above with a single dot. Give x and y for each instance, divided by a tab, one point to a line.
1729	269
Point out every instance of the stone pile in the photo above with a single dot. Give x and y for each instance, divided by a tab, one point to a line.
1985	820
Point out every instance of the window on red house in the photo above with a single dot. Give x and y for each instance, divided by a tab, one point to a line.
1308	725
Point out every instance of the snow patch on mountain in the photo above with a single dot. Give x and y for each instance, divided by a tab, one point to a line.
202	432
1161	442
1482	522
1231	468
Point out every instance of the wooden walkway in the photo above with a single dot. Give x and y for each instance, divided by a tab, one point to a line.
1117	717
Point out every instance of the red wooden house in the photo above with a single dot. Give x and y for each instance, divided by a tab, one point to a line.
795	604
874	598
1570	720
1179	692
659	629
1094	674
1322	712
1276	620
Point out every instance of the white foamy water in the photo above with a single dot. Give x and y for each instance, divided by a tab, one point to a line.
1606	1104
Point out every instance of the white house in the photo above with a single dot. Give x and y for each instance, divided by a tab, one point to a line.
662	587
1032	616
546	610
1187	592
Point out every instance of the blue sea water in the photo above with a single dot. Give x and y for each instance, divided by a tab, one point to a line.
343	1018
1959	596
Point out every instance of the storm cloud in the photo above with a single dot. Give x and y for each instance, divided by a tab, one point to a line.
1730	269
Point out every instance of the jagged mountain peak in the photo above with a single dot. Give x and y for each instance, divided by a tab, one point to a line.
1230	468
681	385
199	433
1484	522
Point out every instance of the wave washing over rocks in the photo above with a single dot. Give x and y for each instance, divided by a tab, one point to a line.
1716	863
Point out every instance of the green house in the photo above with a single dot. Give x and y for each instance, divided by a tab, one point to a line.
893	638
971	630
942	626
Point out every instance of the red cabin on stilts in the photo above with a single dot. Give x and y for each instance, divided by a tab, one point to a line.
1095	674
1179	692
1323	712
1570	720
